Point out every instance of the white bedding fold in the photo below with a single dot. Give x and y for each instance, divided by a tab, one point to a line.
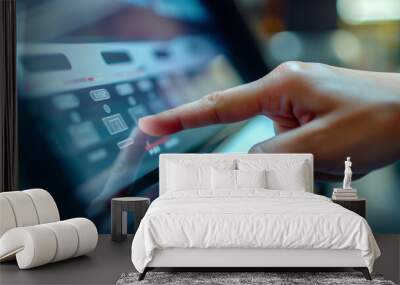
250	219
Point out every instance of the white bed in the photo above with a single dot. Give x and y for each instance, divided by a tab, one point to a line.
202	226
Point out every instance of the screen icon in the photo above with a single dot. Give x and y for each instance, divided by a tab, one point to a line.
132	101
65	101
125	143
155	103
75	117
107	108
99	94
115	124
137	112
97	155
145	85
124	89
84	134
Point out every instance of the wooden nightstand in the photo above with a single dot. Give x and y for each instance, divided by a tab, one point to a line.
119	208
357	206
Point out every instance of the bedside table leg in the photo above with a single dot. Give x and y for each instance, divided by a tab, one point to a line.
118	217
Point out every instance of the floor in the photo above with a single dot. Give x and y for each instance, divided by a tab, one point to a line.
110	260
389	262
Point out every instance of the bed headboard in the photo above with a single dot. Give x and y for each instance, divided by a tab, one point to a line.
209	158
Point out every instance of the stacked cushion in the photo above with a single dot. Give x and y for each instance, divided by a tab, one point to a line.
26	208
41	244
31	231
7	218
45	206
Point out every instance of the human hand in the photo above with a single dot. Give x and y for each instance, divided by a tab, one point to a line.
328	111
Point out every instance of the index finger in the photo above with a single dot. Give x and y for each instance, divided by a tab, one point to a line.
231	105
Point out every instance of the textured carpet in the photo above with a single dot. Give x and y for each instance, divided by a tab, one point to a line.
233	278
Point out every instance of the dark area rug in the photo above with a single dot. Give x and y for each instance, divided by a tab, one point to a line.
233	278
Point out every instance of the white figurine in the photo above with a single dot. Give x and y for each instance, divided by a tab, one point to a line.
347	174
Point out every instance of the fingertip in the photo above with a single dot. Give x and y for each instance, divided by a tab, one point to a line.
159	125
146	124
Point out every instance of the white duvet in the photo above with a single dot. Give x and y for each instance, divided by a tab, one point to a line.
250	219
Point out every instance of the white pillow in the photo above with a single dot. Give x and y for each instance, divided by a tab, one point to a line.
226	179
223	179
281	175
182	178
251	178
192	174
291	179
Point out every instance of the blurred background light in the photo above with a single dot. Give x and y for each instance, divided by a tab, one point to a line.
364	11
346	46
285	46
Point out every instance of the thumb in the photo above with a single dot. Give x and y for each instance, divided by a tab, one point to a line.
294	141
330	139
313	137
